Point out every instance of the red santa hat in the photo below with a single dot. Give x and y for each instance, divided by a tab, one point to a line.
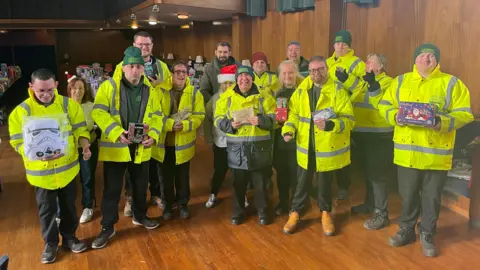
227	74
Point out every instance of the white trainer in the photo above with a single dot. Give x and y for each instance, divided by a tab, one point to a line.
86	215
211	201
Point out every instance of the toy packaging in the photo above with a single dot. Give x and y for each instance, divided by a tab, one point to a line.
417	114
324	114
243	115
281	111
137	132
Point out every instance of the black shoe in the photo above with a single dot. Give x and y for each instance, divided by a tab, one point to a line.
377	222
403	237
263	220
102	239
281	209
49	253
167	215
428	245
184	213
342	194
146	222
238	220
362	209
75	245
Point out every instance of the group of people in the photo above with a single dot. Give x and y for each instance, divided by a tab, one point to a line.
331	102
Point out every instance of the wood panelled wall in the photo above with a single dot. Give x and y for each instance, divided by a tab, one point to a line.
396	27
199	40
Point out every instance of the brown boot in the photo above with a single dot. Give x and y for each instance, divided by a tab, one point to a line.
328	223
292	223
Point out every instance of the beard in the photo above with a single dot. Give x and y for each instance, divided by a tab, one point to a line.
222	60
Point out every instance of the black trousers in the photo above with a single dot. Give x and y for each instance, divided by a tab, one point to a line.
112	190
220	168
421	192
155	180
176	179
285	163
240	181
343	177
47	211
324	187
374	151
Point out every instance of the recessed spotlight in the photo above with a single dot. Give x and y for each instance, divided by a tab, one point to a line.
101	29
133	16
185	26
155	8
217	23
3	31
152	22
182	16
134	26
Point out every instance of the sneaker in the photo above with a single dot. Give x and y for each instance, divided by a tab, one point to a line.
49	253
377	222
362	209
342	194
246	202
403	237
75	245
102	239
167	215
146	222
86	215
127	211
158	202
428	245
263	218
211	201
184	212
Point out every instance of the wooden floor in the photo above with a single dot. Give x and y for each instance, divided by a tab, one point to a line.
208	241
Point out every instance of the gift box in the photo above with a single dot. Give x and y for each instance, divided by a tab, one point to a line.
417	114
281	111
323	114
137	132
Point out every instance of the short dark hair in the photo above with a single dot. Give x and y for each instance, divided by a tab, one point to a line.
143	34
42	74
179	63
223	44
318	58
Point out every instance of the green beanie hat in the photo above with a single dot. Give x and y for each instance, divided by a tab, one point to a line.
343	36
427	48
244	69
133	55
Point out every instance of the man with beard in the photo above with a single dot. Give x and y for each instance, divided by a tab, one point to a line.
209	84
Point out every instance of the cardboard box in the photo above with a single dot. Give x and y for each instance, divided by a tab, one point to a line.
281	111
417	114
137	132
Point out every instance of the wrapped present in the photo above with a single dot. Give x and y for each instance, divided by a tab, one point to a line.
281	111
323	114
137	132
243	115
417	114
181	115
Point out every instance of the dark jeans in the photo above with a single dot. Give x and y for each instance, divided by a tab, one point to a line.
240	181
155	180
343	177
176	180
87	175
113	175
220	168
375	154
47	211
421	192
285	163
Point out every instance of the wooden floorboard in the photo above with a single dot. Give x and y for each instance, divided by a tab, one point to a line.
208	241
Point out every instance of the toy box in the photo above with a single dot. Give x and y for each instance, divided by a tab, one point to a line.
417	114
137	132
281	111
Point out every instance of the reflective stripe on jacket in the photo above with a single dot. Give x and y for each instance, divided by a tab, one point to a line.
269	81
163	74
426	148
57	173
351	64
332	148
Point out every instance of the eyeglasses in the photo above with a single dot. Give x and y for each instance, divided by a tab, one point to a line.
144	45
179	72
317	70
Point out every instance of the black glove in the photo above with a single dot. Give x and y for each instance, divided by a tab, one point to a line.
369	77
329	125
341	75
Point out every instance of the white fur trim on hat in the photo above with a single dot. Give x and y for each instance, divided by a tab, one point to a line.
226	78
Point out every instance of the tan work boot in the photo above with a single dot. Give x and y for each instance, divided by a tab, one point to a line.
328	223
292	223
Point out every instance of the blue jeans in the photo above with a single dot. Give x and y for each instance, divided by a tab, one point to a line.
87	175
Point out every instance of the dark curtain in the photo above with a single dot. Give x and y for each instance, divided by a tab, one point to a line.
256	8
295	5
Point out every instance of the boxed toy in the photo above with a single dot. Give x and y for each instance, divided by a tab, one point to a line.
137	132
417	114
281	111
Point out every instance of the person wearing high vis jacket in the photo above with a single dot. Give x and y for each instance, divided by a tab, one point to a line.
264	79
52	177
348	69
320	118
373	140
249	145
126	99
424	155
176	147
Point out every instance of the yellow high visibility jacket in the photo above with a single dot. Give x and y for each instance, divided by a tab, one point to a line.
352	65
191	100
425	148
163	74
58	173
249	147
110	114
268	80
332	148
365	105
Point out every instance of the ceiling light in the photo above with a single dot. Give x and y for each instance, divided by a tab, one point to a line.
185	26
118	21
182	16
217	23
134	26
152	22
155	8
3	31
133	16
101	29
